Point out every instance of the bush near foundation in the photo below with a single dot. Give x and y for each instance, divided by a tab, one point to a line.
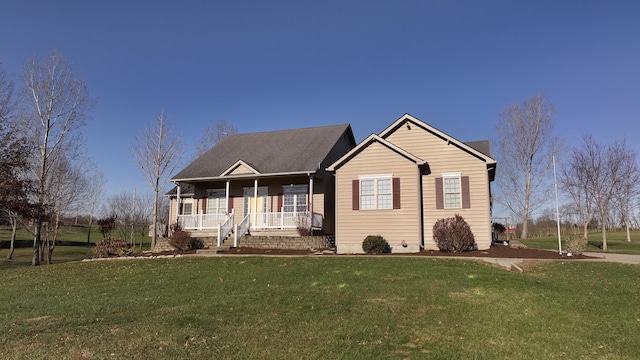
182	241
453	234
375	244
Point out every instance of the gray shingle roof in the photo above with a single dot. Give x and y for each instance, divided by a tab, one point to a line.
272	152
481	146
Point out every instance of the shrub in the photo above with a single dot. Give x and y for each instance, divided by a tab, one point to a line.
100	250
182	241
576	244
303	225
375	244
120	247
453	234
113	247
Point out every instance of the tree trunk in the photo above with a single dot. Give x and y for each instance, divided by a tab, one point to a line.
14	228
35	260
89	232
525	228
604	236
155	220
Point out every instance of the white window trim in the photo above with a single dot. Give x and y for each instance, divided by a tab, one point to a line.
453	175
375	194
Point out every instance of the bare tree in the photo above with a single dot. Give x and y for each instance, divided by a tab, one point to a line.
134	214
157	152
628	188
70	186
7	101
56	105
94	192
577	178
213	135
15	188
526	143
596	175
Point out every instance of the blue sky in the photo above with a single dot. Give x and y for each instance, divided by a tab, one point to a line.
269	65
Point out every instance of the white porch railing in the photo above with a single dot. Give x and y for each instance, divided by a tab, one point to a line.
241	229
267	220
286	220
225	228
201	221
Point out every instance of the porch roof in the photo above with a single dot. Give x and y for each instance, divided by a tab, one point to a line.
272	153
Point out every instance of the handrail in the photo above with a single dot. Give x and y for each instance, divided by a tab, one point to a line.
225	229
241	229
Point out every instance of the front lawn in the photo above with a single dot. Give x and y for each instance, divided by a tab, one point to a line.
319	308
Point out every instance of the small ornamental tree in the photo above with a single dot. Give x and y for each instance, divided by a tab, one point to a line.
453	234
375	244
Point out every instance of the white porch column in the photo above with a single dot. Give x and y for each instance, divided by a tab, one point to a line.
178	201
311	197
255	202
227	195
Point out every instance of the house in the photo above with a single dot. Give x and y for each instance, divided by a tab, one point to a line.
268	182
400	182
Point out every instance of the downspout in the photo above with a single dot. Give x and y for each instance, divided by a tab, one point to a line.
421	202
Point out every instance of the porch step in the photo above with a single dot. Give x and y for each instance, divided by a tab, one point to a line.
275	232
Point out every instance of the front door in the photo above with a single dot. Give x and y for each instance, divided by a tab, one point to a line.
256	207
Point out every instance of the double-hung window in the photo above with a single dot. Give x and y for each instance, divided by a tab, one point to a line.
187	208
452	191
376	192
216	201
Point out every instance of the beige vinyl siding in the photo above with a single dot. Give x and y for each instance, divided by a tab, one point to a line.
395	225
173	210
444	157
241	170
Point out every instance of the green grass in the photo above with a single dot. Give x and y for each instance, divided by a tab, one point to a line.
319	308
71	246
616	242
75	233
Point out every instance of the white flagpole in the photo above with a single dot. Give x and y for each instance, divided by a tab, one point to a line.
555	183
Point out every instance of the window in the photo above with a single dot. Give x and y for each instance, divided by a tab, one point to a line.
294	198
187	208
216	201
377	192
452	192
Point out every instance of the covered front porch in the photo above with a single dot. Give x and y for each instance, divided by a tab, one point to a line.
237	205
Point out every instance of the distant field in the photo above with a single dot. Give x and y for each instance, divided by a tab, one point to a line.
616	242
72	245
319	308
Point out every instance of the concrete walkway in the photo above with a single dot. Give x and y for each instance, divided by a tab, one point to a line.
620	258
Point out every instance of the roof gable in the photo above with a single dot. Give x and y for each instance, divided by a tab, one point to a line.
478	149
373	138
240	167
271	152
